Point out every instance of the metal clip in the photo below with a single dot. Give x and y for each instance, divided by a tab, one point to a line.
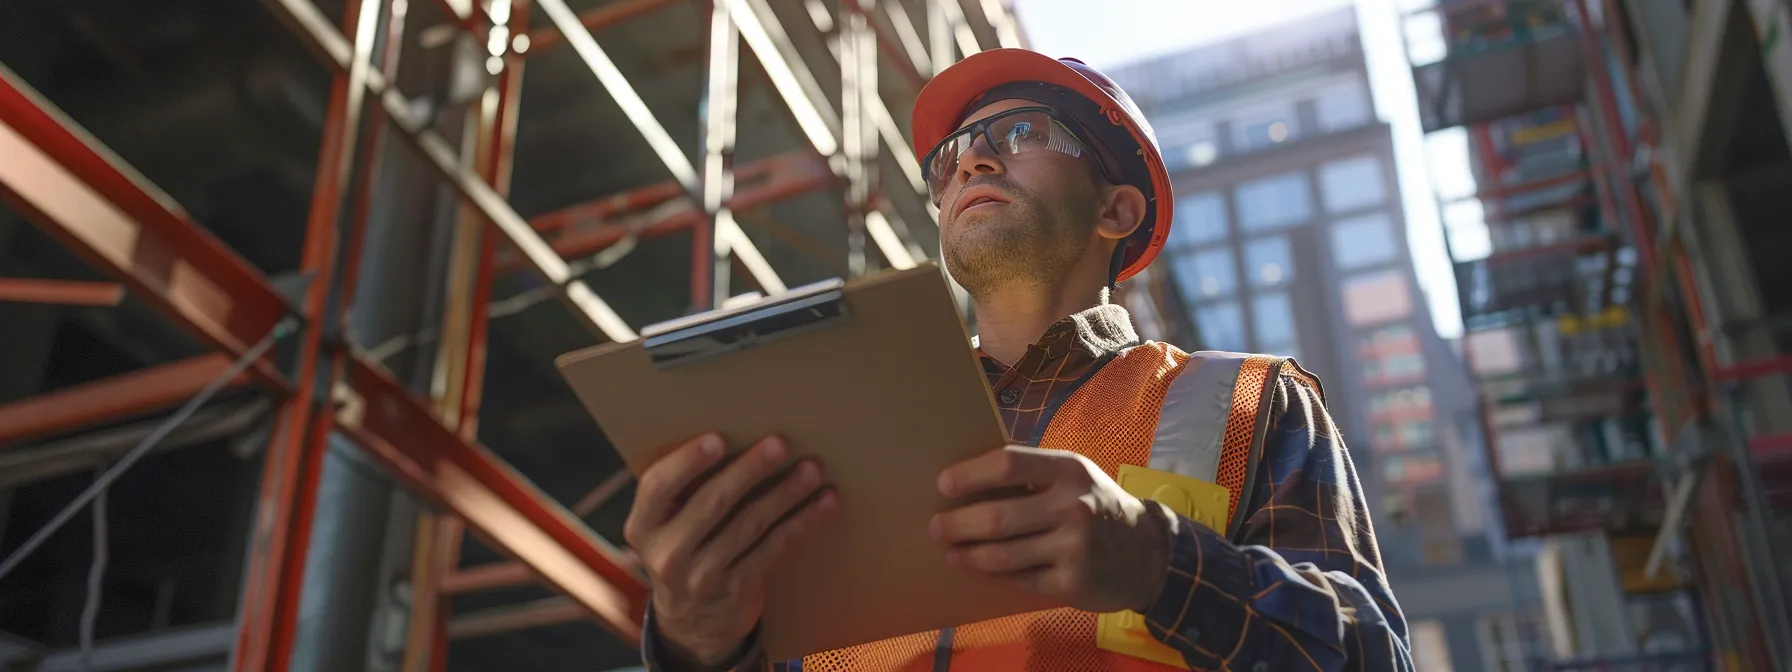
686	340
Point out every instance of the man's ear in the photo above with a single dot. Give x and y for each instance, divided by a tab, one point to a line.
1122	211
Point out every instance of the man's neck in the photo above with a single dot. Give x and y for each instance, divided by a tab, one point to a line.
1009	322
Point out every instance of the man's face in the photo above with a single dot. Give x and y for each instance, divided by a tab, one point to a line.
1015	220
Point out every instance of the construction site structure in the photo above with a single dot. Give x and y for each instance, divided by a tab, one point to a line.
1625	301
281	285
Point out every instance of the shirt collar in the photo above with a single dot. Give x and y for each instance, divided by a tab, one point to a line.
1098	331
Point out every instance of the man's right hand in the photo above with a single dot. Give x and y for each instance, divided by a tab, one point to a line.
708	567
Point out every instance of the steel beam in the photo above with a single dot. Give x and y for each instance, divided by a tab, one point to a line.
790	175
727	231
114	398
280	537
500	505
782	175
1760	368
506	574
711	258
67	183
510	618
902	55
594	20
461	361
60	292
309	22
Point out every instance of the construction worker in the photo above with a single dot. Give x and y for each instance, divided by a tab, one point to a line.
1051	191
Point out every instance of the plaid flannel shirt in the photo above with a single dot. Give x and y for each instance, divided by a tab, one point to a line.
1302	589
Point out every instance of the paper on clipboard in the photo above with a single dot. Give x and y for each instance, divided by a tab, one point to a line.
876	379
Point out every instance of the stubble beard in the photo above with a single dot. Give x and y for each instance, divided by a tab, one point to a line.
1026	244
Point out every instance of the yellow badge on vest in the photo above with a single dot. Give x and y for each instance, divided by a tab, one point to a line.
1203	502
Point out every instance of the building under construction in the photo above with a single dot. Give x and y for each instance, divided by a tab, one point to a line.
1622	278
281	284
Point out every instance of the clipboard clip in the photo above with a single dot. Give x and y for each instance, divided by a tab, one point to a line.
704	335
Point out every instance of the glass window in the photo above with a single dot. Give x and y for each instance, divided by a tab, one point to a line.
1264	127
1411	469
1415	434
1272	320
1206	274
1221	326
1202	152
1342	106
1268	262
1351	184
1376	298
1391	338
1200	218
1364	241
1274	202
1406	401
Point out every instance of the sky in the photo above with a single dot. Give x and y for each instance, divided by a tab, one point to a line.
1123	31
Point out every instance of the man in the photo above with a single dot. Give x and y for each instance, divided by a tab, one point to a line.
1051	191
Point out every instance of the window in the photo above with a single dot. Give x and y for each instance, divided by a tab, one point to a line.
1221	326
1263	127
1363	241
1268	262
1376	298
1403	366
1391	369
1410	469
1200	218
1202	152
1206	274
1351	184
1430	646
1272	320
1342	106
1391	338
1417	434
1274	202
1386	441
1403	402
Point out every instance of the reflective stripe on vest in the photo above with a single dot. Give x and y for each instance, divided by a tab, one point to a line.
1152	405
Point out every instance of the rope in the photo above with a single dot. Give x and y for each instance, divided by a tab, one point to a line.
105	480
96	575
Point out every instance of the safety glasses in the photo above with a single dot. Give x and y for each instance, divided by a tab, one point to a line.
1017	131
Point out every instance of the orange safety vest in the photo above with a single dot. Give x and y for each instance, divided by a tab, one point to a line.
1199	415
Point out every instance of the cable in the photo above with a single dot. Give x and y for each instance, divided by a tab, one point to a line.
99	485
96	575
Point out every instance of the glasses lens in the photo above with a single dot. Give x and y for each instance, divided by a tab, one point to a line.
1022	132
1016	132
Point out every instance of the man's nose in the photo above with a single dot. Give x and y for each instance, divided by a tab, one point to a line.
979	159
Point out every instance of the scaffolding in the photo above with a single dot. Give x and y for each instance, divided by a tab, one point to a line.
63	180
1583	315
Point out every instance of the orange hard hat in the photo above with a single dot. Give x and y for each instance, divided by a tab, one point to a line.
1098	104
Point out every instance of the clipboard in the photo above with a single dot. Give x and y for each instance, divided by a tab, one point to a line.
875	378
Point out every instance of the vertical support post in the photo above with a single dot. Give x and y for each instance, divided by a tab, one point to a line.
711	254
268	617
460	366
939	35
856	126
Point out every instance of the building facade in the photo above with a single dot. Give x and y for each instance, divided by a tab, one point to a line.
1622	282
1290	239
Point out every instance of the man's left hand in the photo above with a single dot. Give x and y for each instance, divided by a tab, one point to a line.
1066	529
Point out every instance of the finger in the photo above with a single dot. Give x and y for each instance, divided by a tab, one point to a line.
1011	556
1014	466
761	514
759	559
657	492
995	520
716	499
